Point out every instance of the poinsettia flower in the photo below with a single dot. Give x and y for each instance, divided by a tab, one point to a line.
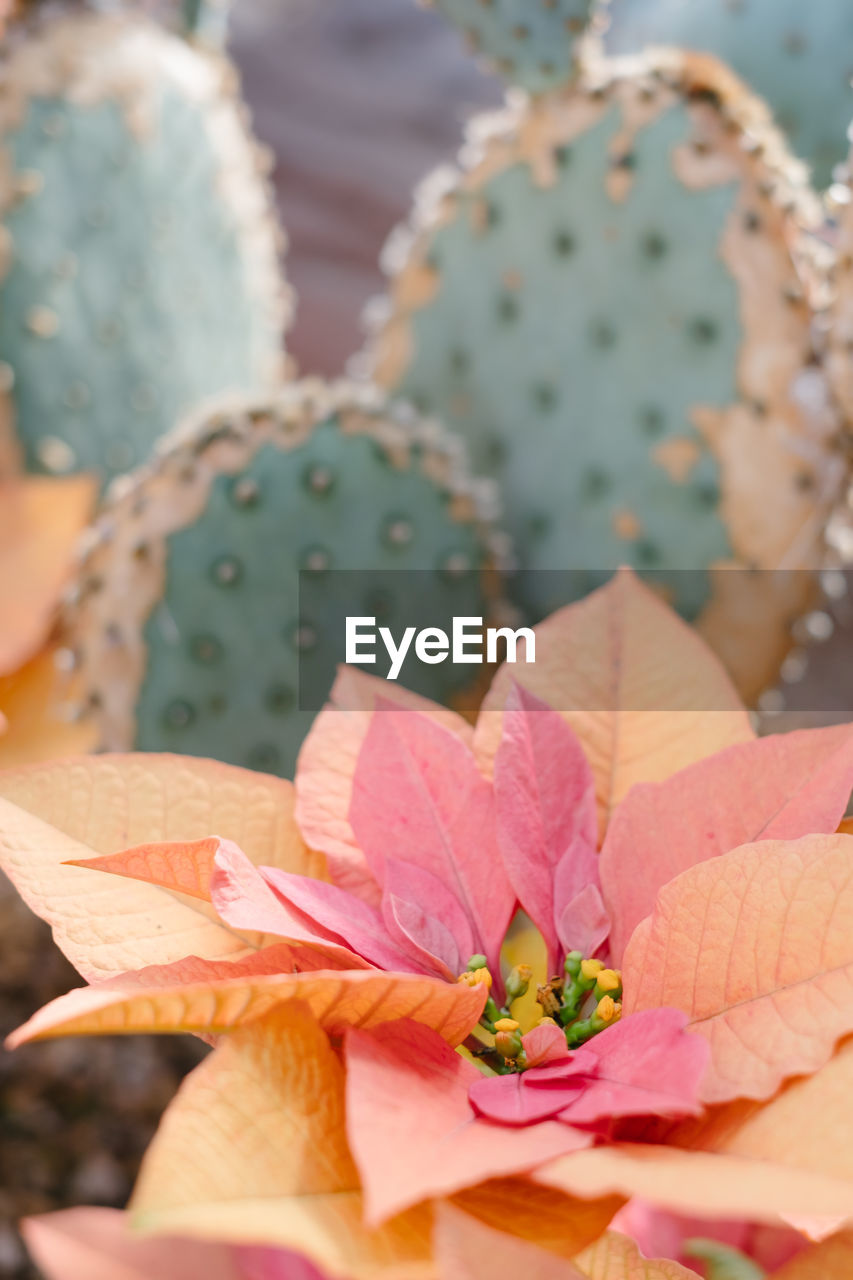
348	1090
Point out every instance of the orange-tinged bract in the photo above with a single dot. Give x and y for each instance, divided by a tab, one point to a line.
831	1260
70	810
692	1044
35	708
40	519
614	1255
640	689
732	941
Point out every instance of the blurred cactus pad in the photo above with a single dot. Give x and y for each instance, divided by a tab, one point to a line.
798	54
604	301
532	43
191	629
139	255
840	344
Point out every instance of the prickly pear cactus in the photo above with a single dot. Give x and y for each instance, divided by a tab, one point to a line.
187	621
798	56
531	43
138	255
604	304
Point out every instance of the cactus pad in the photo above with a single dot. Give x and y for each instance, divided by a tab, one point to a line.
840	353
604	304
798	56
187	621
138	256
838	323
530	42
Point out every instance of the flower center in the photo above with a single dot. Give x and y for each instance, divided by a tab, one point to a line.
584	1000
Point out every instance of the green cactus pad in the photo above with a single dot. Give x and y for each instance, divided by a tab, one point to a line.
798	56
604	304
187	621
530	42
138	260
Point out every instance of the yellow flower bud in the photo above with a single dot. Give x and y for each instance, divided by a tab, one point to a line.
547	1022
591	968
508	1038
518	982
609	980
606	1009
476	978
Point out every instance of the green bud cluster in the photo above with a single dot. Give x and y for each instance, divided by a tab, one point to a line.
576	988
562	1000
584	978
584	1029
518	982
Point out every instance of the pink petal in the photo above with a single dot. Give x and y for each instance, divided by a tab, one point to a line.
510	1100
97	1244
507	1100
334	913
545	800
579	1061
411	1128
584	924
245	899
418	795
326	765
545	1043
783	787
650	1067
425	919
259	1263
